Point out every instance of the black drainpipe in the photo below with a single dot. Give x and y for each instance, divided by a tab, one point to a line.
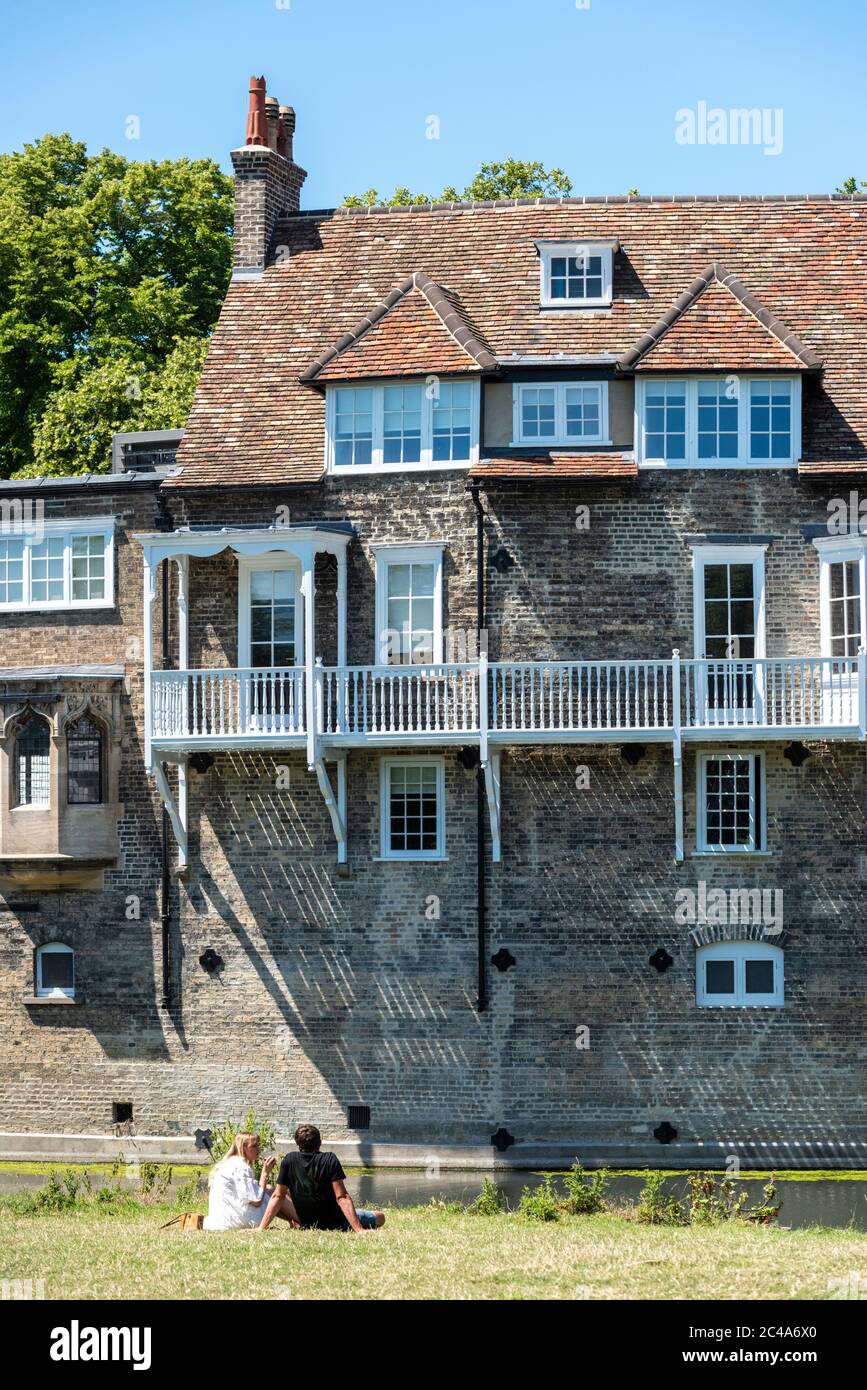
166	887
481	905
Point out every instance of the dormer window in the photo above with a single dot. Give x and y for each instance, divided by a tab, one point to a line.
402	426
565	412
576	275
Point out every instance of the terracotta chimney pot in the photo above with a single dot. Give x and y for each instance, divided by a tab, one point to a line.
257	124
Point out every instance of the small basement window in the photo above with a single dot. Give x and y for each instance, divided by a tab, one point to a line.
121	1112
55	971
359	1116
739	974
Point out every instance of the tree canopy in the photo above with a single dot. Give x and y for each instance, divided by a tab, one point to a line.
112	273
513	178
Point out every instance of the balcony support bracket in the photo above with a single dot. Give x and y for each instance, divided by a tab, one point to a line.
177	813
336	803
677	752
492	788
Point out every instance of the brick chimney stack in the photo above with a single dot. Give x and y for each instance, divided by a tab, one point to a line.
267	179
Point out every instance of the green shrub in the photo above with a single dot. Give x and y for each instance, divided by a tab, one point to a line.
191	1193
154	1182
585	1192
446	1207
540	1203
490	1201
223	1136
657	1207
710	1202
766	1211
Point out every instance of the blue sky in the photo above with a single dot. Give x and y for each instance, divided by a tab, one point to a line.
594	90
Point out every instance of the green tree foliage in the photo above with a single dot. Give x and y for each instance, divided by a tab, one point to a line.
112	274
851	185
513	178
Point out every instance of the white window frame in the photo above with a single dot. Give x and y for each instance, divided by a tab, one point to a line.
426	464
272	560
53	948
756	760
559	436
386	852
704	555
549	249
32	536
745	382
739	952
838	550
428	553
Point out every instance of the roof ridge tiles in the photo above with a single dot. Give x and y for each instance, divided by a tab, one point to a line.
573	200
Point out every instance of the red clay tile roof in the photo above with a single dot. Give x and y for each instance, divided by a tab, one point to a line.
804	259
718	325
418	328
613	465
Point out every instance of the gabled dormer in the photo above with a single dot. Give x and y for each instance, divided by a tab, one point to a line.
402	388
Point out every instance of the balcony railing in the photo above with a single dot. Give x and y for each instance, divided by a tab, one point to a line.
378	701
231	703
531	701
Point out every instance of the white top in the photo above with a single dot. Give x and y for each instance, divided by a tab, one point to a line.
235	1197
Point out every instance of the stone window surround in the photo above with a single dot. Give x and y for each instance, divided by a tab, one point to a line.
41	841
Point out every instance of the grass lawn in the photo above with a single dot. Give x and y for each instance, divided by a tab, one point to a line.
424	1253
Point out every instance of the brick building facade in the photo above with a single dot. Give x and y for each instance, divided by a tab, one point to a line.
467	885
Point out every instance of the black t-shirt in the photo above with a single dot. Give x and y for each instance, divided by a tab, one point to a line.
309	1178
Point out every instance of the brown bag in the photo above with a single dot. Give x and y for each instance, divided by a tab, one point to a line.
187	1221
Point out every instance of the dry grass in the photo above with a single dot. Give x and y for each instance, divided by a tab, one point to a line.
425	1253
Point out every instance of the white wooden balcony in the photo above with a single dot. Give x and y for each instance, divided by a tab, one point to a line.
542	702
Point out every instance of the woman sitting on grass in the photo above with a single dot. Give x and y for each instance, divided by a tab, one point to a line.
235	1199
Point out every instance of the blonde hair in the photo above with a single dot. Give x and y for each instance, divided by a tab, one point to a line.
239	1144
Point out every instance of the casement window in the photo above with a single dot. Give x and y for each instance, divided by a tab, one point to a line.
56	566
729	622
842	582
409	627
33	763
575	274
55	971
269	618
412	797
739	974
704	422
730	802
84	763
561	413
395	426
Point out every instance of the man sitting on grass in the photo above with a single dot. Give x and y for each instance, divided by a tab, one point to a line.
316	1182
